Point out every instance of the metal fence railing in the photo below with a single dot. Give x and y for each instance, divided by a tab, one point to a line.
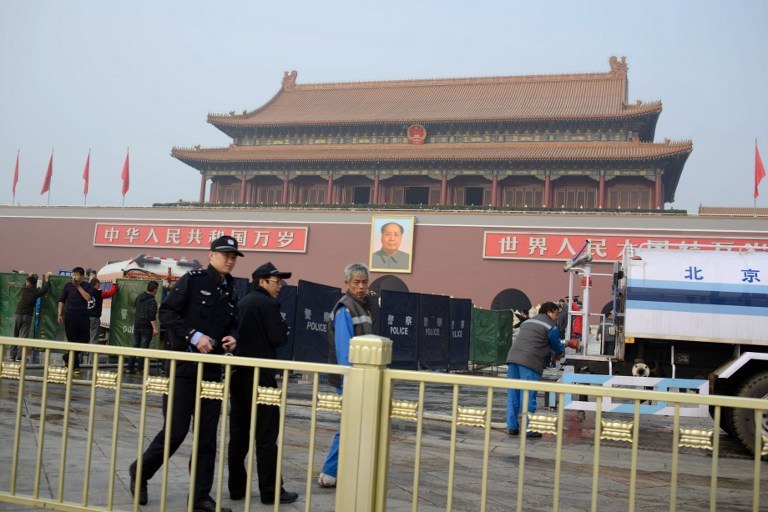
607	450
66	441
409	440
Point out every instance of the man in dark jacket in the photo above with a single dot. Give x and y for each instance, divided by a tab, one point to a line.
529	355
95	307
145	321
520	317
200	313
25	309
562	317
73	313
260	331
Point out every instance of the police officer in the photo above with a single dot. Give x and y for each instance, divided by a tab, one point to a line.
261	330
200	314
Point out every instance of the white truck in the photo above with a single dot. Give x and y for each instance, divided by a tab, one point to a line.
692	314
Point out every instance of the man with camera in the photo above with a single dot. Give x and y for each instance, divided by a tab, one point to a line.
200	313
73	313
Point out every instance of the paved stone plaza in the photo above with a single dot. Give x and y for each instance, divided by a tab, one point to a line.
654	459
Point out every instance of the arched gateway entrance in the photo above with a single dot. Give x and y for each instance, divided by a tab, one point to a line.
392	283
511	298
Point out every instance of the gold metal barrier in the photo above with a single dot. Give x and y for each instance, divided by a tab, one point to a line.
35	432
475	410
408	439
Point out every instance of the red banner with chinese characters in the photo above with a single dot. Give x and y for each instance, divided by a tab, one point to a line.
560	247
249	238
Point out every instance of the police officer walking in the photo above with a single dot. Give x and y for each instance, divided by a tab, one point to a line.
261	330
200	313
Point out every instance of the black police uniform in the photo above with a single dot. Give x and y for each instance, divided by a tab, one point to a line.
199	302
261	330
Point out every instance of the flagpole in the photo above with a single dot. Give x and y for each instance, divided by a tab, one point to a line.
759	173
49	185
87	177
754	199
125	175
15	177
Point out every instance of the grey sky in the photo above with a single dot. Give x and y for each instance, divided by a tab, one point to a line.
108	75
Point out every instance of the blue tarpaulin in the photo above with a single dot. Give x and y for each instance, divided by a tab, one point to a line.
313	308
434	331
399	321
461	319
242	287
287	300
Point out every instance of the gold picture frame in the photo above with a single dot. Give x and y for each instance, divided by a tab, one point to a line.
391	249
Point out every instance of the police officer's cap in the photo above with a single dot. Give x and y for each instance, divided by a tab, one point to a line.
225	244
268	270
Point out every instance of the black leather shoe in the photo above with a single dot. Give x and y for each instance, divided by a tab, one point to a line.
208	505
143	498
285	497
513	431
531	435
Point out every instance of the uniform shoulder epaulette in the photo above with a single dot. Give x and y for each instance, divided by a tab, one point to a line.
196	272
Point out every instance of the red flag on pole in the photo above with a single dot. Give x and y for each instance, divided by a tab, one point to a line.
126	176
16	175
86	173
48	174
759	169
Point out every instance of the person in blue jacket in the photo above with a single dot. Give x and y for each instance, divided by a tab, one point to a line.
538	339
351	317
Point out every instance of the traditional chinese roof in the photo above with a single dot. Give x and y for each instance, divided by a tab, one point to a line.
510	151
671	155
585	96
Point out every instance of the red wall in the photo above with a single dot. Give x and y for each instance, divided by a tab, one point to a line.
447	253
447	260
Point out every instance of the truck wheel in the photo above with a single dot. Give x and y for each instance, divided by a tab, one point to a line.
726	419
744	419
